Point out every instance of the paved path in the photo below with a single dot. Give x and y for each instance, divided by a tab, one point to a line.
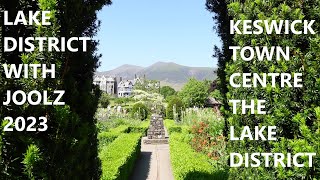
153	164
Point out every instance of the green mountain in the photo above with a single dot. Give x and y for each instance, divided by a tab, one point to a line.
168	73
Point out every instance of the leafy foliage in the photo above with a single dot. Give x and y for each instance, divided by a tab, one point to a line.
187	164
71	140
166	91
292	110
118	158
194	93
175	105
150	86
104	100
222	19
216	94
31	158
105	138
140	110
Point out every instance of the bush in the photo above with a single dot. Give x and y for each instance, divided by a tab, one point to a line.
120	129
188	164
291	110
194	93
171	127
166	91
119	157
143	128
176	104
174	129
104	100
105	138
139	111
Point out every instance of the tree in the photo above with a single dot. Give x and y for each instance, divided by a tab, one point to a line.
194	93
174	103
139	110
216	94
166	91
294	111
71	138
104	100
222	26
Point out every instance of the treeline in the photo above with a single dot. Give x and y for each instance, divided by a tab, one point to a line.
68	149
295	111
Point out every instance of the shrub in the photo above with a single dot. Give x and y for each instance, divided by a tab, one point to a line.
139	111
142	128
104	100
105	138
119	157
188	164
174	129
31	161
207	138
172	126
291	110
166	91
120	129
175	104
194	93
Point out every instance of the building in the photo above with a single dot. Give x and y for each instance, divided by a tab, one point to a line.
214	104
110	85
106	84
125	87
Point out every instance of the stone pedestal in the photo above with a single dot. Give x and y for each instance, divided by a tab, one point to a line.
156	132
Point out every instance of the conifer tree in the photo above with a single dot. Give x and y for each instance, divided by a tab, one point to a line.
295	111
68	149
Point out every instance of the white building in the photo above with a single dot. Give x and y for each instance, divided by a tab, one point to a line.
110	85
106	84
125	87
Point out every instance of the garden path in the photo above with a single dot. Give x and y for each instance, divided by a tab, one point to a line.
153	163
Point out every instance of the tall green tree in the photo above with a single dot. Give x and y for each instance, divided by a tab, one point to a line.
68	149
175	105
194	93
222	26
295	111
13	143
166	91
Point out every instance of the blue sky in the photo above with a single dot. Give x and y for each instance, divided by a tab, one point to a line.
142	32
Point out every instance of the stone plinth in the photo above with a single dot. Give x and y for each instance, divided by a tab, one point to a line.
156	132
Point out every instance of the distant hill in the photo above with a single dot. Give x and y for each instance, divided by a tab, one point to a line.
168	73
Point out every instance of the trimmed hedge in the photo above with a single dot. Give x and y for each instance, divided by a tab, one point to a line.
118	158
188	164
171	126
143	128
120	129
105	138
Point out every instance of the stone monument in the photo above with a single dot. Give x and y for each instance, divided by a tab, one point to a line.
156	132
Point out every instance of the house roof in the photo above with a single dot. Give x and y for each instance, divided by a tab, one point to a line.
126	83
213	101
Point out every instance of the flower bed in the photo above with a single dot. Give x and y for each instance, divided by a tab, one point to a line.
188	164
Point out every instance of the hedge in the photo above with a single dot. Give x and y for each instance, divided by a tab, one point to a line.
105	138
143	128
118	158
120	129
188	164
173	127
291	110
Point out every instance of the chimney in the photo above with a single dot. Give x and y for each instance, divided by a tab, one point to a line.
120	79
135	76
